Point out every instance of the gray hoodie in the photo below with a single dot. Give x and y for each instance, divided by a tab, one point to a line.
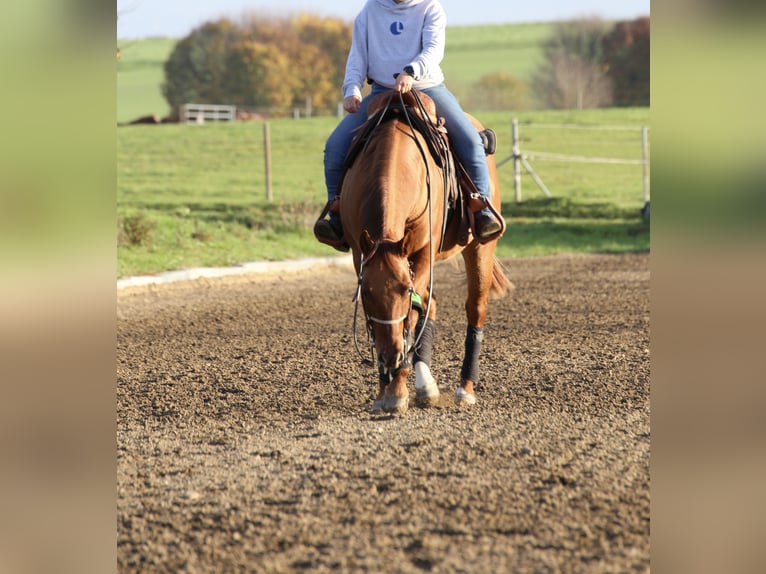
388	36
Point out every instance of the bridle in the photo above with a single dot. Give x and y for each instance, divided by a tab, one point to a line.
370	319
413	295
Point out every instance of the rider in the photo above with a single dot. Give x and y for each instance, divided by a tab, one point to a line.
399	44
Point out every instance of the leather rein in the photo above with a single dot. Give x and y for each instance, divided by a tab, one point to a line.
405	318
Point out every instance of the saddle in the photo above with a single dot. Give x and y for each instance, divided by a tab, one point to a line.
461	196
419	111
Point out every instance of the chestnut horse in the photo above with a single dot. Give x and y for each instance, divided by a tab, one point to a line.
398	220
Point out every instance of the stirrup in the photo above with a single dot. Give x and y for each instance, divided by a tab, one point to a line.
476	203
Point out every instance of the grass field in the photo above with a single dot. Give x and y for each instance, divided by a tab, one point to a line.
190	196
194	195
140	75
475	51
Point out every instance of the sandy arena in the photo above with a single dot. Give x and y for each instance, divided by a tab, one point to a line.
245	443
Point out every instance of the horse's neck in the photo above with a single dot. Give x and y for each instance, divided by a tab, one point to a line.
399	192
386	214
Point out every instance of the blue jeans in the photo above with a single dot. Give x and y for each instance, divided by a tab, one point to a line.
464	138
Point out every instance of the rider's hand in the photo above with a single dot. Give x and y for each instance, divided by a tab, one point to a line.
351	104
404	83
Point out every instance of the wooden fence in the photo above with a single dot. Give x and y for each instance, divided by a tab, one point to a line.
201	113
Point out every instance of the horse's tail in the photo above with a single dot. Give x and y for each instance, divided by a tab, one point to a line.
501	285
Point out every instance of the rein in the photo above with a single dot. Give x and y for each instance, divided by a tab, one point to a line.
370	319
428	201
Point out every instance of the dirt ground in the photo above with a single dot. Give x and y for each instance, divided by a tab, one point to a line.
244	442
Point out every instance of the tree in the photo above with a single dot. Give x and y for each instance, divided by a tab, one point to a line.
316	49
583	38
626	50
196	68
573	75
321	58
254	75
260	63
570	83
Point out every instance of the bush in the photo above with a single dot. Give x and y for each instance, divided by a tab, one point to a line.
135	230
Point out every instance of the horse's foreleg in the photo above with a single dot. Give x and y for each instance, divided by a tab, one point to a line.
426	390
469	373
392	391
395	396
479	264
383	379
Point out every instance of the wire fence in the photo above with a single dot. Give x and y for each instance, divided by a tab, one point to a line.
521	159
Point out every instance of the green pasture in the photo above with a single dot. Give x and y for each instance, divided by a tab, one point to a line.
140	75
195	195
475	51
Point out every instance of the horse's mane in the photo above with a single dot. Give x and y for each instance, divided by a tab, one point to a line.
418	103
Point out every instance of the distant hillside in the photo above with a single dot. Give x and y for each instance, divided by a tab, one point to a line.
139	77
472	52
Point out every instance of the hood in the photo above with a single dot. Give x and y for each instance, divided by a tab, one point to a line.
391	5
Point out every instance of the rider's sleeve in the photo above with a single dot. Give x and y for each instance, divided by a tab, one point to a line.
434	39
356	64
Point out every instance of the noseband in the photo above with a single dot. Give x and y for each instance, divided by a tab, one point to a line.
370	319
364	261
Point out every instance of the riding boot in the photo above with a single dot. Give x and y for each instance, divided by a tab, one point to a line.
330	231
486	223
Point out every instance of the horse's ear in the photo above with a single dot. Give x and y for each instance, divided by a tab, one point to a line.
366	243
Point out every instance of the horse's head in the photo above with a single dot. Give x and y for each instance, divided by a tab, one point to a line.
386	289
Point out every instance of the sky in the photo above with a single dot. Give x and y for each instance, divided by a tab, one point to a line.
176	18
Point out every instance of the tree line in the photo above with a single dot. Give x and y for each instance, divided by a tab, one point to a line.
260	63
276	64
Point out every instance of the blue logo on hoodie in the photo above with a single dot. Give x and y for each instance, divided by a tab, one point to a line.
397	28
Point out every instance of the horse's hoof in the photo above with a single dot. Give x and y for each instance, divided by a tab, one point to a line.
395	404
426	390
377	406
425	401
463	397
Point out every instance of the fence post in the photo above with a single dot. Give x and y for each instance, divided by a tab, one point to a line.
645	156
516	153
267	155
